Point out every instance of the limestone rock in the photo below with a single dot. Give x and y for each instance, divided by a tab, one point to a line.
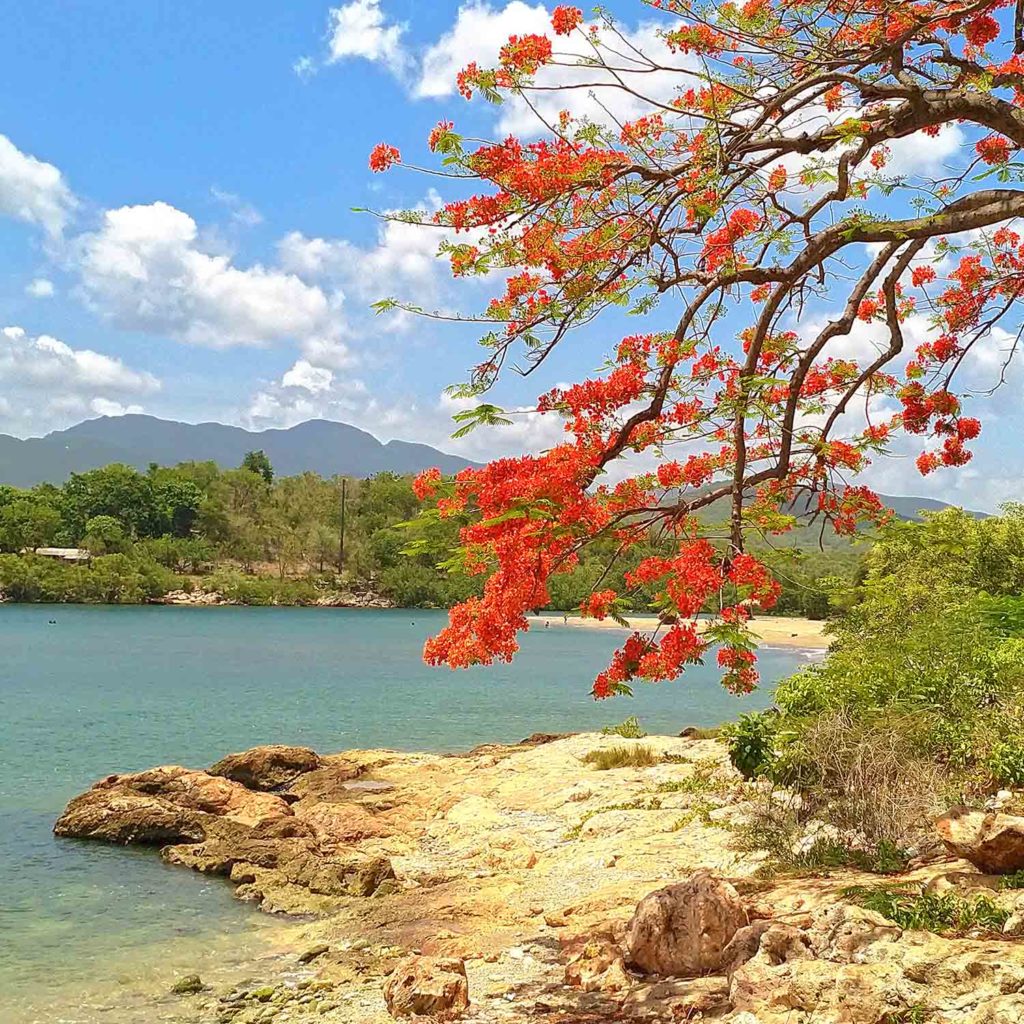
993	842
684	929
266	768
170	804
424	985
597	966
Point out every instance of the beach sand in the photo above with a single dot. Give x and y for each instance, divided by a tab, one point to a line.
771	630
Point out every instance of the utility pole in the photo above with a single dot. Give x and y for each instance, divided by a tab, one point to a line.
341	534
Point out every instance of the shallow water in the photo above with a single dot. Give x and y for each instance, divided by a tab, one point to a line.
118	689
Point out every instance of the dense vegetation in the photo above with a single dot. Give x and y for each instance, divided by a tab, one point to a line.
261	539
921	699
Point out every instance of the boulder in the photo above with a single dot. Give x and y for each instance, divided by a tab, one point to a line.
266	768
993	842
169	804
428	986
684	929
188	986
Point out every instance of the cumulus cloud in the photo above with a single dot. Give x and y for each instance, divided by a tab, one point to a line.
32	190
45	381
146	269
403	261
307	377
40	288
360	29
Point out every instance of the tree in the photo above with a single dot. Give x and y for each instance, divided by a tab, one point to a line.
118	491
733	183
27	522
104	535
257	462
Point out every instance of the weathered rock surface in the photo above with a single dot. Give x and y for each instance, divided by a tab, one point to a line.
528	867
266	768
427	986
170	804
992	841
684	929
275	851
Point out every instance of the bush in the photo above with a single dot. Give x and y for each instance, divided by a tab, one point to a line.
630	729
751	742
1006	761
640	756
872	777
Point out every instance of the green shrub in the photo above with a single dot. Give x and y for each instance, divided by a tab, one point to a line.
621	757
630	729
751	742
1006	761
945	913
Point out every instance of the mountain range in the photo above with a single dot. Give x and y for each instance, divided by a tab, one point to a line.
323	446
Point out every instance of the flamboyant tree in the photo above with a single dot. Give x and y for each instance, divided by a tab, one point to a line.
752	184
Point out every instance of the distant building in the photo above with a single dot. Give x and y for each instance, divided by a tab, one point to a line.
64	554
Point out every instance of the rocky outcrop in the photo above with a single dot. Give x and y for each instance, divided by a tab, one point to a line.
170	804
427	986
531	870
267	768
992	841
280	852
685	929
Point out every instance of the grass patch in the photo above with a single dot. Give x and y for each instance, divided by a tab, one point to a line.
1012	881
884	859
704	779
948	913
630	729
640	804
621	757
700	811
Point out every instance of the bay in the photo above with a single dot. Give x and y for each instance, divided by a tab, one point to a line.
87	691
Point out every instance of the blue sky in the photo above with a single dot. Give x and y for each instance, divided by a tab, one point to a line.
176	226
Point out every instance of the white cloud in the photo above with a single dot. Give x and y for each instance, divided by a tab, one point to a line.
478	35
403	262
40	288
480	31
308	377
361	29
146	269
45	381
107	407
32	190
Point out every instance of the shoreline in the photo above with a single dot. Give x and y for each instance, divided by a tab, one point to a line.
523	864
771	630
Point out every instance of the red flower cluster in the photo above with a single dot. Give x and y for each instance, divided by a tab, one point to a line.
525	54
994	149
383	156
565	19
720	245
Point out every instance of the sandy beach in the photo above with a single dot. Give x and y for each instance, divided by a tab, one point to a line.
773	631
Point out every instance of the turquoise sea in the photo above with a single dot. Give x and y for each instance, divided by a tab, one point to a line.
86	691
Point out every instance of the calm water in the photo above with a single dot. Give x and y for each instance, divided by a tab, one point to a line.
119	689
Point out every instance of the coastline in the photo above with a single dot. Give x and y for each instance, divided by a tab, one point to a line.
772	631
524	864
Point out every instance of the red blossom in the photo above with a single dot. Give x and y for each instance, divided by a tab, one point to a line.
565	19
383	156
